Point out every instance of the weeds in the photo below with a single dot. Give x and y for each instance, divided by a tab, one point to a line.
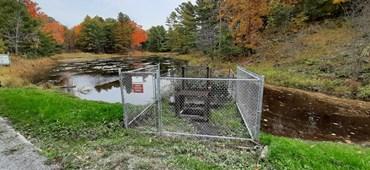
23	72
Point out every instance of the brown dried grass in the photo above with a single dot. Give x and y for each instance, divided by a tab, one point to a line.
23	72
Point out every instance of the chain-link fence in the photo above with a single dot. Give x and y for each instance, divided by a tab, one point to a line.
188	101
249	99
140	96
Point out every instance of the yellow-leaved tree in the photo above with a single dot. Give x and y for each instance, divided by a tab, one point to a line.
245	19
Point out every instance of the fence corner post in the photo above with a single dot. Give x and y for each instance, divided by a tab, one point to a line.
122	98
259	117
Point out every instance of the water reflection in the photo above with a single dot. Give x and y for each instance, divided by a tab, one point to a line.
97	80
144	97
94	87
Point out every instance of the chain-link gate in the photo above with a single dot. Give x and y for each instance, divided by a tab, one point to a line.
140	96
190	101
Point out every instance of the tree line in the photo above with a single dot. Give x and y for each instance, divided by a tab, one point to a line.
28	32
233	27
109	35
214	27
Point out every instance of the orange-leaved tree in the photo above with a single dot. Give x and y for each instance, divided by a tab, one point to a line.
139	36
49	25
56	29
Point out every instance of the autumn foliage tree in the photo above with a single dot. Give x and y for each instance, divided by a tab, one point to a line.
56	30
139	36
71	36
244	18
49	25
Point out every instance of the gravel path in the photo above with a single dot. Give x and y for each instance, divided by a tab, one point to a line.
16	152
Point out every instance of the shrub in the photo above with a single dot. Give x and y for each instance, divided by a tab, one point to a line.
280	14
364	92
315	9
2	46
283	13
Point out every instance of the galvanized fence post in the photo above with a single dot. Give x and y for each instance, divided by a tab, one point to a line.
155	96
260	107
159	113
125	120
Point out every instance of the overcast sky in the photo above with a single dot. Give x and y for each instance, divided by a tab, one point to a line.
145	12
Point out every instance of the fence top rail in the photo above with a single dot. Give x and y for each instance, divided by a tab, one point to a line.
138	73
258	77
207	79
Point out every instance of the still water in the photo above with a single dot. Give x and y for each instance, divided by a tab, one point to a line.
98	80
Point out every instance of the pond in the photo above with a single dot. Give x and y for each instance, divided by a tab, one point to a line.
98	80
285	114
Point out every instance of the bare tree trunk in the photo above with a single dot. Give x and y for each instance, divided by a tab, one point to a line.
17	35
17	28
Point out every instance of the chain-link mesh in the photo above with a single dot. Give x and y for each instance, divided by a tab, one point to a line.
189	101
200	106
139	97
190	72
249	98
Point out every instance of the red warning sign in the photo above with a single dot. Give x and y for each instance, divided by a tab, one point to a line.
138	88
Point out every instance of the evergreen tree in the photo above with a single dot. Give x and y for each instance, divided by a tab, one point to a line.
17	28
183	28
48	45
226	47
3	48
157	40
175	39
122	33
208	24
92	38
109	26
21	33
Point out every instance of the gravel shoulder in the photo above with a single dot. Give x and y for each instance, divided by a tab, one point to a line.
16	152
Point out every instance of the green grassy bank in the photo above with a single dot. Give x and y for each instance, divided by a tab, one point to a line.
83	134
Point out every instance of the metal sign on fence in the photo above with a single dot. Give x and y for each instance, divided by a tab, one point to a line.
4	59
192	103
138	88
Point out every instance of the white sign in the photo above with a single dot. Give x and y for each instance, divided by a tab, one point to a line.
4	59
137	79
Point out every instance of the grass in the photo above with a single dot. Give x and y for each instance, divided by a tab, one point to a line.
228	119
291	78
80	134
172	123
83	134
317	58
297	154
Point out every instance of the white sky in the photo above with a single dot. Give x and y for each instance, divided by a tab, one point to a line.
145	12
